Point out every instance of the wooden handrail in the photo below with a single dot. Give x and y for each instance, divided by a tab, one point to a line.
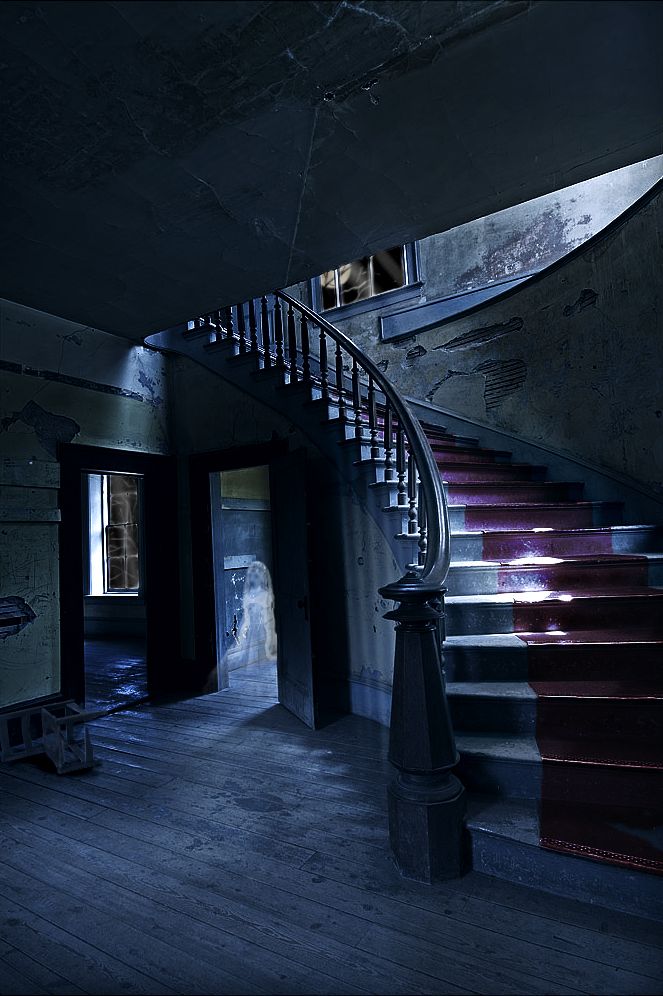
437	553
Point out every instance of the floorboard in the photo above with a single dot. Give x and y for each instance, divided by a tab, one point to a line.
219	846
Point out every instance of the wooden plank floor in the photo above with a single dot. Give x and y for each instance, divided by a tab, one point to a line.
221	847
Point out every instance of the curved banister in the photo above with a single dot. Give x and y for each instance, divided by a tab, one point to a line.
438	555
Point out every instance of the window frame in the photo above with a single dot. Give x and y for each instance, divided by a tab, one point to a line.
95	540
410	290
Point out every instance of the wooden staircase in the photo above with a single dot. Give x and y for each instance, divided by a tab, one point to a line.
554	619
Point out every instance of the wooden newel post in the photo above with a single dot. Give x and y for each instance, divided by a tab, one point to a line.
426	801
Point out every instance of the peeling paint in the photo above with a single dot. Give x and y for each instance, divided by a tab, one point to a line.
479	337
503	378
414	354
90	385
50	428
586	300
448	375
15	615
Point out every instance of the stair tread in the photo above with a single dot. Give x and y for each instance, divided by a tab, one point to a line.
554	505
581	560
568	595
557	530
623	753
517	819
509	485
486	640
492	689
499	745
626	690
590	637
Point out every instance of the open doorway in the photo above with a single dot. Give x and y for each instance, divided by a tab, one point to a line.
246	637
115	658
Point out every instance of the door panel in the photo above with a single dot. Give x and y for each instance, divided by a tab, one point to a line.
291	585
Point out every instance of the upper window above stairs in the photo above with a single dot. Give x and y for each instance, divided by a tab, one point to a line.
385	278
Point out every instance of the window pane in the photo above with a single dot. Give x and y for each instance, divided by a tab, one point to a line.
328	283
355	281
388	270
122	498
122	556
122	568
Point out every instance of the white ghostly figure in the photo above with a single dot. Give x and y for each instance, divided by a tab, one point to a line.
256	635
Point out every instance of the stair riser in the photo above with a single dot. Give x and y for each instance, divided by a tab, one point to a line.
560	577
496	494
497	776
590	719
541	517
482	473
566	875
471	713
562	544
629	615
449	454
483	664
566	782
566	662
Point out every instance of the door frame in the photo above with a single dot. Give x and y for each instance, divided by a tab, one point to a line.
201	465
160	581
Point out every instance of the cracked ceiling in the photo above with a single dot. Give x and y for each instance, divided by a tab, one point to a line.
162	159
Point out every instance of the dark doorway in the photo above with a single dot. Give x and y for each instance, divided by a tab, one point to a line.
240	507
113	592
250	556
109	653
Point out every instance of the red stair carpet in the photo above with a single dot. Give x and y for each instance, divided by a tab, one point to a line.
593	627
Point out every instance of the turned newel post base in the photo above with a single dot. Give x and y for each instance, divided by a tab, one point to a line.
426	801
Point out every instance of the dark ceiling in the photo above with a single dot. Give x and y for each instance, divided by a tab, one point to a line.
162	159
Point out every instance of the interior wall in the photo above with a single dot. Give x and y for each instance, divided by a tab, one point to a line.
571	360
61	382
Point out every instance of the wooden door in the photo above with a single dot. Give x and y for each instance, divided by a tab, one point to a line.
291	585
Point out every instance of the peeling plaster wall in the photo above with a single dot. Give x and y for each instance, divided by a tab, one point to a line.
572	360
532	235
60	382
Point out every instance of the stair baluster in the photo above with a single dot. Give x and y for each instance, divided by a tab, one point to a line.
324	373
306	357
278	334
292	345
373	419
388	438
423	539
264	328
241	329
339	383
356	397
228	319
253	329
400	466
412	494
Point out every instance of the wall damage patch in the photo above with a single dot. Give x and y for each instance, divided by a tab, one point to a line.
414	354
586	300
479	337
15	615
503	377
50	429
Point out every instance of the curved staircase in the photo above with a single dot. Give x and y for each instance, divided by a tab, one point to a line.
553	659
554	619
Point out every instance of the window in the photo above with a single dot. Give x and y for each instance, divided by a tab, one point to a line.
113	501
391	270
